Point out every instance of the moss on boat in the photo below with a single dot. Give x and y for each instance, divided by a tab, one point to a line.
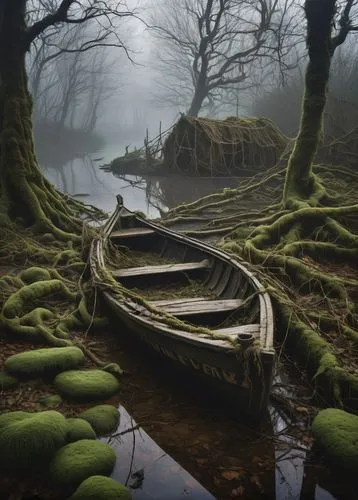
77	461
41	361
99	488
31	440
336	432
86	384
103	418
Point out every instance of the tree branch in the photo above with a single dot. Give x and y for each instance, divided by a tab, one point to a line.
345	26
50	20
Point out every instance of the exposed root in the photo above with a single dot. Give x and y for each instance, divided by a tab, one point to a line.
307	252
43	304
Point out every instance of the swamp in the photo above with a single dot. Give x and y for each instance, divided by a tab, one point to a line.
257	157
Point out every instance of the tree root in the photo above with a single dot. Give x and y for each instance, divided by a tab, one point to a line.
307	251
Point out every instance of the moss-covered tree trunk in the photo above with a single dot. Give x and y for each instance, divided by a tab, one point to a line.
300	181
24	192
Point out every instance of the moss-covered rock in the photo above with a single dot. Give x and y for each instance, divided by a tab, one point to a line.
33	274
336	431
79	429
114	369
41	361
31	440
13	416
103	418
50	401
86	384
77	461
7	381
100	488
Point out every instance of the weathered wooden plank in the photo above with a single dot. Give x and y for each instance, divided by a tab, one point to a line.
197	306
131	232
253	328
166	302
162	269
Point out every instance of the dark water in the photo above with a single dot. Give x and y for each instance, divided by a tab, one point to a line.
147	469
83	178
232	462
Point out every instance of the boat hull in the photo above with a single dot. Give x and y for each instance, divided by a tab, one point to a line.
243	377
241	371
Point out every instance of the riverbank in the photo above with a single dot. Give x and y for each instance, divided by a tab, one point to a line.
54	379
230	473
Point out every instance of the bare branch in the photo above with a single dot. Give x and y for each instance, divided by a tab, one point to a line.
210	42
74	12
345	24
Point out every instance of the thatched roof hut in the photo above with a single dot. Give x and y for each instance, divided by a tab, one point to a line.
201	146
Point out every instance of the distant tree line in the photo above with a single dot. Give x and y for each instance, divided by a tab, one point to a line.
71	74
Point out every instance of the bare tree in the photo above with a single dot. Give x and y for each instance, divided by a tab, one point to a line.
208	47
23	189
68	82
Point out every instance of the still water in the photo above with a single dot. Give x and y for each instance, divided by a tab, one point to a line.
270	469
145	468
83	178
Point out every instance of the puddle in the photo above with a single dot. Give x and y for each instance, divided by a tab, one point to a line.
147	469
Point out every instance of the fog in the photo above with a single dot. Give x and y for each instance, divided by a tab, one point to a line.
89	107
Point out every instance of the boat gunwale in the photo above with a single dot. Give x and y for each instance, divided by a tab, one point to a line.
266	312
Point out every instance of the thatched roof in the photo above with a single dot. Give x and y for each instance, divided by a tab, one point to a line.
223	147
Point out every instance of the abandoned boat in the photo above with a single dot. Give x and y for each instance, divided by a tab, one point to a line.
215	318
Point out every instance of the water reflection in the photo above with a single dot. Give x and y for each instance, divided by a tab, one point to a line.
141	462
82	178
145	468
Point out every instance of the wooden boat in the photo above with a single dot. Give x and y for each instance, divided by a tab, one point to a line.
227	335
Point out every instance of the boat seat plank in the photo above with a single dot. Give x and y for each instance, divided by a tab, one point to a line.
233	331
131	232
162	269
166	302
198	305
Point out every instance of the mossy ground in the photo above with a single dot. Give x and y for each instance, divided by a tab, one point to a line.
311	274
77	461
100	487
103	418
39	362
336	432
79	429
86	385
31	440
7	381
46	326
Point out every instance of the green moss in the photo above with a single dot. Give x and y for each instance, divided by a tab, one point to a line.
13	416
33	274
40	361
336	431
114	369
7	381
86	384
32	440
17	303
77	461
103	418
79	429
50	401
99	488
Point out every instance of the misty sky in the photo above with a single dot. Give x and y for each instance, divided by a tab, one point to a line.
135	104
